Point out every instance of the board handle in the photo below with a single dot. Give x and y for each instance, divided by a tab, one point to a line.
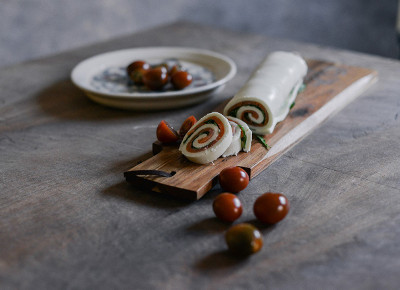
149	172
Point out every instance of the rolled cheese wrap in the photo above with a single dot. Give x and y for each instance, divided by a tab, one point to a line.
266	97
236	143
207	139
246	134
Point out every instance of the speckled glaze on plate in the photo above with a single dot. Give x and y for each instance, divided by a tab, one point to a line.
103	77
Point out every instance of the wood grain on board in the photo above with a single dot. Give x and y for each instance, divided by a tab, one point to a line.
329	87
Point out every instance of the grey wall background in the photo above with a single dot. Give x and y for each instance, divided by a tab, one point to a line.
34	28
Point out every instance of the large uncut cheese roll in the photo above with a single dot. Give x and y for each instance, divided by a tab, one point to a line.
208	139
267	96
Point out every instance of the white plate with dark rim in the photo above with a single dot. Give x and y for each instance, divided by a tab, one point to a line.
104	80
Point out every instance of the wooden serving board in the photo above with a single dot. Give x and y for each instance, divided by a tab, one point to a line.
329	87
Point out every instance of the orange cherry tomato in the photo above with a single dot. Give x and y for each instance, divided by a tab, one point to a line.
244	239
227	207
155	78
181	79
166	134
186	125
233	179
271	208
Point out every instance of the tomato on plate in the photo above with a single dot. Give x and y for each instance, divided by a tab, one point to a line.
155	78
233	179
227	207
181	79
136	69
186	125
271	208
166	134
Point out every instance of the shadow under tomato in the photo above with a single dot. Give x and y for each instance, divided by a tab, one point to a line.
264	228
219	261
209	225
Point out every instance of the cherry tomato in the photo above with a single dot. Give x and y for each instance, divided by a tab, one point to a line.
244	239
155	78
136	69
271	208
174	69
227	207
233	179
186	125
166	134
181	79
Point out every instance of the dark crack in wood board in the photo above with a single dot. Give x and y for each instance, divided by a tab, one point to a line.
329	87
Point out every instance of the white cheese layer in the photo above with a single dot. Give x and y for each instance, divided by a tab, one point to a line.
236	144
266	97
247	138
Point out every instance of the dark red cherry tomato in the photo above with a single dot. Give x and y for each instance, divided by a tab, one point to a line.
174	69
186	125
181	79
155	78
227	207
271	208
233	179
166	134
244	239
136	69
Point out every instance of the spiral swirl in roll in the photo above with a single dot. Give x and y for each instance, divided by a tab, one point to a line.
251	112
207	139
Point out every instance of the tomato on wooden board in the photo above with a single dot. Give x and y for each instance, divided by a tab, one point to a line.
166	134
186	125
244	239
227	207
233	179
181	79
271	208
155	78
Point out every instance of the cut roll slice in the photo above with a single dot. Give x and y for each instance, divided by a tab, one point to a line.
236	143
208	139
266	97
246	134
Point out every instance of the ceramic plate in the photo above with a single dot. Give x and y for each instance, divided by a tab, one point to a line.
104	80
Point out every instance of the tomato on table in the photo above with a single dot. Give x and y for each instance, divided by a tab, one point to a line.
244	239
166	134
227	207
233	179
271	208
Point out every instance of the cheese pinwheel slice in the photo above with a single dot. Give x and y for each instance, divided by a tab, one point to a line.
208	139
246	134
266	97
236	143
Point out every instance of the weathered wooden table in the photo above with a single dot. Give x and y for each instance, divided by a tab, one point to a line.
68	218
